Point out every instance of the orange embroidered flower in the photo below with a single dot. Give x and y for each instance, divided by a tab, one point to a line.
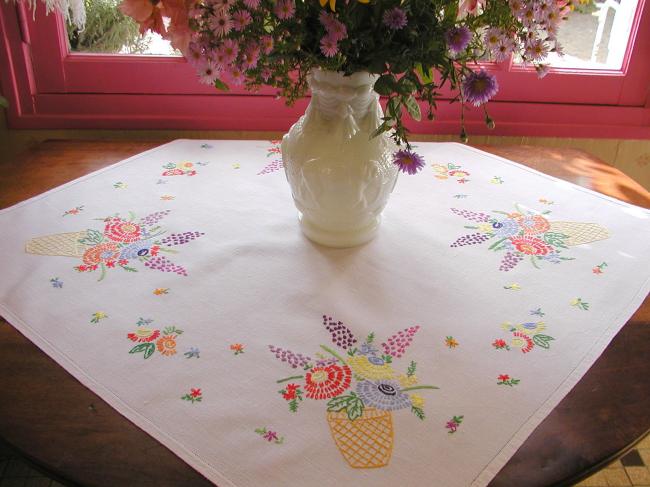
160	291
173	172
144	334
120	230
167	345
532	225
237	348
327	382
103	252
530	245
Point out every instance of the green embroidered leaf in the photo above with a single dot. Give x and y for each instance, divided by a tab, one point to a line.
495	244
418	412
129	269
169	165
413	108
458	419
293	406
172	329
387	358
542	341
260	431
352	351
93	237
147	348
370	338
555	239
514	382
131	216
355	408
340	403
411	370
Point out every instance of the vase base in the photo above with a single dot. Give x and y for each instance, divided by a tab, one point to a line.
341	239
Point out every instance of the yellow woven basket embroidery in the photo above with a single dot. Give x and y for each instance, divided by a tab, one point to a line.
366	442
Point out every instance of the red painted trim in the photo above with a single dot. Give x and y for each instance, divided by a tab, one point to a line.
96	91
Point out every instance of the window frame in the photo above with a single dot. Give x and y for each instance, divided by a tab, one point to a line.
49	87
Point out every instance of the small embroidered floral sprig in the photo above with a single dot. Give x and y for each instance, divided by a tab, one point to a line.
599	268
506	380
537	312
525	336
580	304
167	197
450	171
56	283
195	395
453	424
99	315
237	348
74	211
513	287
293	395
500	344
160	291
145	336
270	436
206	146
544	201
460	196
496	180
193	352
120	185
451	342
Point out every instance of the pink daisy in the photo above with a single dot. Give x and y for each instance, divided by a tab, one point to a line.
240	19
220	23
337	30
252	4
208	73
266	74
285	9
328	46
236	75
221	4
251	56
267	44
230	50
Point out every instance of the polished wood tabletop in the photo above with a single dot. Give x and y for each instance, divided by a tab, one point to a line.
62	426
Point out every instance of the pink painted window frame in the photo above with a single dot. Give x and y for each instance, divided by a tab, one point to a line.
48	87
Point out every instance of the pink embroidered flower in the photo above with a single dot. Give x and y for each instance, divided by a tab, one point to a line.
120	230
503	377
396	345
290	392
174	172
530	245
533	224
195	392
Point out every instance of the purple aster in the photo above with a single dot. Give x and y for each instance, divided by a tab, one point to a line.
383	394
479	87
395	18
408	161
458	39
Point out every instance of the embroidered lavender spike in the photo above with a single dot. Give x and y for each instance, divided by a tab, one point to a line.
56	283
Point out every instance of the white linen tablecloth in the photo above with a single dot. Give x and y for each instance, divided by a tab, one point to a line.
177	286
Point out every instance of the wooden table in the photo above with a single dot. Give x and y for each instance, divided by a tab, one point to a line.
64	427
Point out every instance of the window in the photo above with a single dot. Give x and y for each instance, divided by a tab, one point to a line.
599	89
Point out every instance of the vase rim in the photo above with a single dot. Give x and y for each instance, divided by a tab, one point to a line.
360	78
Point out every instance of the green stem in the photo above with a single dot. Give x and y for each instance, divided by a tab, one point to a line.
332	352
103	272
290	378
419	387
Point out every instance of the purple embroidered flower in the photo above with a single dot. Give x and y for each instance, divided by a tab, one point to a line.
395	18
293	359
271	436
383	394
458	39
408	161
165	265
479	87
341	334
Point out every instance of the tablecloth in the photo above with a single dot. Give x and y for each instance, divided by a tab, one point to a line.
177	286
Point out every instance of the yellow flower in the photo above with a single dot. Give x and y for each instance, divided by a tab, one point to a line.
186	164
362	367
333	3
99	315
417	401
407	381
506	325
485	228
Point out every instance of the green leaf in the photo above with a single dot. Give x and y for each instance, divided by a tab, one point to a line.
339	403
542	340
371	338
3	102
418	412
411	370
220	85
413	108
92	237
380	130
355	408
385	85
425	74
147	348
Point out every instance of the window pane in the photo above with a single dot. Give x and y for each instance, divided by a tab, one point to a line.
108	31
596	35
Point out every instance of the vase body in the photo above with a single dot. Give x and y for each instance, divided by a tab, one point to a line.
366	442
340	177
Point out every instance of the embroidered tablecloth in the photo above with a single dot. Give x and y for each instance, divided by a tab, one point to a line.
177	286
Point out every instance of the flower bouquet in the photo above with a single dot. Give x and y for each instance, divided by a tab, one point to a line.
414	47
361	388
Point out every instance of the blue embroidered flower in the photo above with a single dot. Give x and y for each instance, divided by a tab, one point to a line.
506	228
135	250
383	394
553	257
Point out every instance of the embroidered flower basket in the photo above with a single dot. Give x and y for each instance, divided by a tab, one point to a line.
580	233
366	442
64	244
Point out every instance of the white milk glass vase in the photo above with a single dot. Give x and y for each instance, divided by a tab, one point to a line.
340	177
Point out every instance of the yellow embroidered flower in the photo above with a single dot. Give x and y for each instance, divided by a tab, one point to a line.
417	401
186	165
532	328
506	325
485	228
408	380
362	367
